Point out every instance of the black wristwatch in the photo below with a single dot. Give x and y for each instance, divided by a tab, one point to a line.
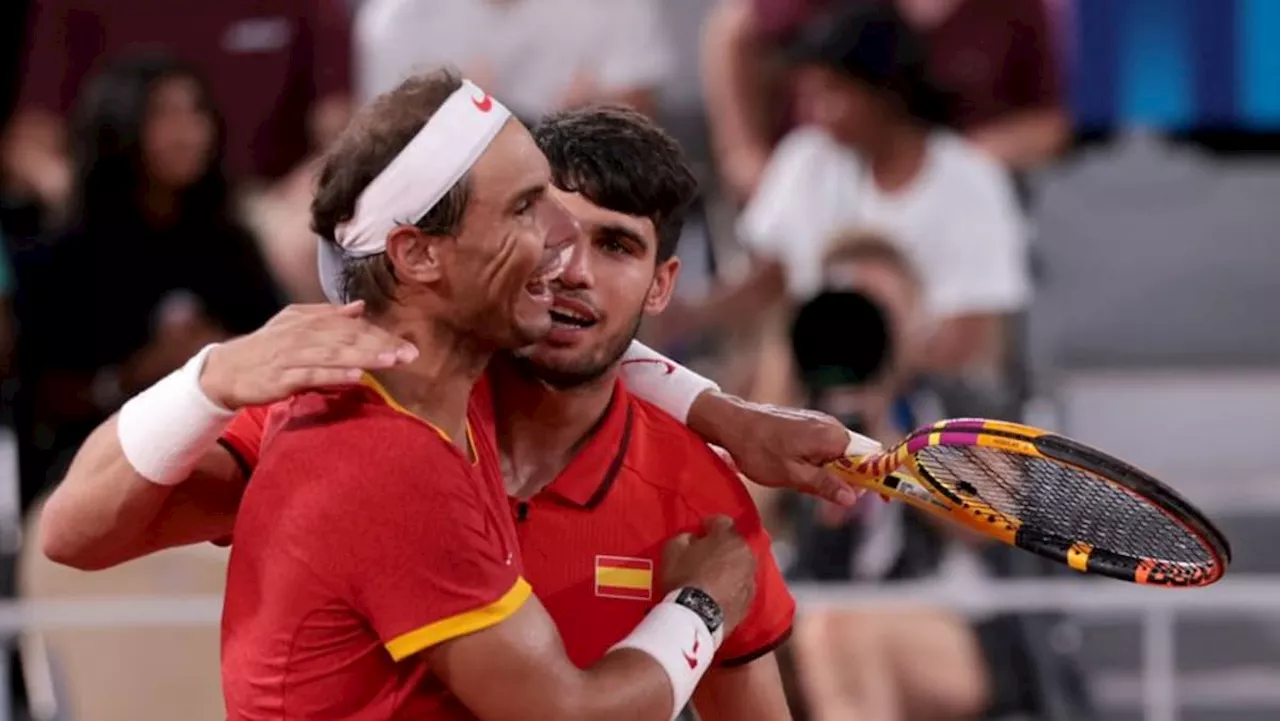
701	603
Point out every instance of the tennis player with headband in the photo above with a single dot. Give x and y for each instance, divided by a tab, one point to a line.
628	184
376	571
440	615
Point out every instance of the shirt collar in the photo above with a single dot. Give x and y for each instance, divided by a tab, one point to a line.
369	382
587	479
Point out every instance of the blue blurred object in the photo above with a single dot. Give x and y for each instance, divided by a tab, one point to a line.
1176	64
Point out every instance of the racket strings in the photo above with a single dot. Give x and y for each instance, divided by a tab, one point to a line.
1063	501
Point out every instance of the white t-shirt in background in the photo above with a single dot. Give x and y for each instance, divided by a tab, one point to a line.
532	48
958	221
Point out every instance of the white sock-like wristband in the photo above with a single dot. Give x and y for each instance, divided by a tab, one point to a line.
677	638
165	429
661	381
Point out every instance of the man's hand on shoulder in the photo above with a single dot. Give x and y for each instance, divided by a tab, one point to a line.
718	562
301	348
780	447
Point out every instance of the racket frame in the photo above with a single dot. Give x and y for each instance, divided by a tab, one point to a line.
896	474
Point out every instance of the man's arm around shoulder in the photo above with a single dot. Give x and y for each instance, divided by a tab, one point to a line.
526	658
149	478
650	674
107	510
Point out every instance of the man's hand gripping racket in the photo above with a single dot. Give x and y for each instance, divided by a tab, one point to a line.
1048	495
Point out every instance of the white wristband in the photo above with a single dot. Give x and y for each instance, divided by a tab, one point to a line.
661	381
677	638
165	429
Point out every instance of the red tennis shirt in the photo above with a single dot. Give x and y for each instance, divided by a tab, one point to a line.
592	539
591	542
365	537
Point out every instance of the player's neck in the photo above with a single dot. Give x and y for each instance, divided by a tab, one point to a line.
541	428
436	386
899	157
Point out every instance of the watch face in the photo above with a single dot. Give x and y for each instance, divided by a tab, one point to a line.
704	605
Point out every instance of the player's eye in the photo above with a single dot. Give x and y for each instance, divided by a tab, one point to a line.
614	245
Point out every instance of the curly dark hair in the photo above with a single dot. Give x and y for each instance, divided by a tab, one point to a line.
373	139
621	160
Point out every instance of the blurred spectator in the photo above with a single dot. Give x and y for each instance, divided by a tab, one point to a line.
883	665
279	69
869	664
874	663
997	55
537	55
152	266
875	159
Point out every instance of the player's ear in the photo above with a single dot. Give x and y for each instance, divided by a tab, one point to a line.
663	285
415	255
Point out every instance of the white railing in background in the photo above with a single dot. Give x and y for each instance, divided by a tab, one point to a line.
1158	608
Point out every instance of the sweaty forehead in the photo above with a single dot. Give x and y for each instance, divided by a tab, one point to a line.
512	164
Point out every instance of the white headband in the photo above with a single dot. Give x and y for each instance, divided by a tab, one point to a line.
419	176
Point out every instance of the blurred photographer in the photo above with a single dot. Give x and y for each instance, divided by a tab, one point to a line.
853	344
856	350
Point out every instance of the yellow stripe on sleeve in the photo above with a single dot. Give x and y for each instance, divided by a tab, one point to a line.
407	644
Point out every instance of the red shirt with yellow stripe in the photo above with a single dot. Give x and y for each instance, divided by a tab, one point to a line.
592	540
365	537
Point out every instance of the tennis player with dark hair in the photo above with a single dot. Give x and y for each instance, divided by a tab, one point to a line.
593	472
377	572
573	325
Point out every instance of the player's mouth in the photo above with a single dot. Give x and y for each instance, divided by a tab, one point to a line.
568	314
554	260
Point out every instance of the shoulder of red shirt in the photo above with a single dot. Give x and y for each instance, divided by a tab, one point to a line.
669	455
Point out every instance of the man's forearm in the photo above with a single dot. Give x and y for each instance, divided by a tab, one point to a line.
113	504
625	685
105	513
646	677
99	514
731	82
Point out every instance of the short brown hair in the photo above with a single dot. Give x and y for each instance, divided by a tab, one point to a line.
374	138
622	161
861	245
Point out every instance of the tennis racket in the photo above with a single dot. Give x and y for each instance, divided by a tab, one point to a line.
1048	495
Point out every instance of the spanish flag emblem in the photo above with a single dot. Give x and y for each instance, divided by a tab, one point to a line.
623	577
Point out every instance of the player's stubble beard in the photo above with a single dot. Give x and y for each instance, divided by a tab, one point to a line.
588	367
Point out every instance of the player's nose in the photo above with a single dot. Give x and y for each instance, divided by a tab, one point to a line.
561	227
577	272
